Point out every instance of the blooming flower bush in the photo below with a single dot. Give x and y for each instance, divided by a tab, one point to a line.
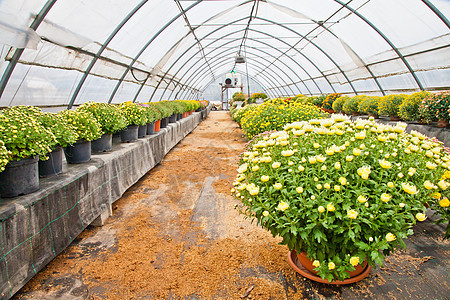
341	191
351	106
369	105
23	134
239	113
110	117
134	113
441	105
274	114
328	101
389	105
87	127
409	109
338	104
64	132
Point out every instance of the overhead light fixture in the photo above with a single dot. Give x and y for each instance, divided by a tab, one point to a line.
240	59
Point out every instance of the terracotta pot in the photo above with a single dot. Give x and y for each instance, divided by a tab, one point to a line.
307	263
394	118
157	125
443	123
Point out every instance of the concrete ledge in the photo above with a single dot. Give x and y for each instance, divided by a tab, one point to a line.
35	228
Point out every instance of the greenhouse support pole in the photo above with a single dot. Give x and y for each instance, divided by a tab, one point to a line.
100	51
387	40
15	58
437	12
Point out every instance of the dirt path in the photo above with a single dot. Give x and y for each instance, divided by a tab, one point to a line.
175	235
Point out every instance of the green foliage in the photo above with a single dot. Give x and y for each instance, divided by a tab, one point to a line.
165	109
23	134
352	105
259	95
338	104
64	132
153	113
328	101
317	101
84	122
241	112
275	114
389	105
110	117
339	190
369	105
441	105
409	109
238	96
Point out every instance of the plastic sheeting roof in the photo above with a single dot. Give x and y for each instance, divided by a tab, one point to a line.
66	52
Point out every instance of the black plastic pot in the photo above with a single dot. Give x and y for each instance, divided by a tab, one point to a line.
151	128
142	131
179	117
53	165
173	118
103	144
130	134
20	178
164	122
78	153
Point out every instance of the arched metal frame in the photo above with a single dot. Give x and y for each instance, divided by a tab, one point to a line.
224	26
194	79
226	58
233	33
266	44
231	41
18	53
387	40
49	4
303	37
271	80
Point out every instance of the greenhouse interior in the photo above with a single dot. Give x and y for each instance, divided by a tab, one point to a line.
224	149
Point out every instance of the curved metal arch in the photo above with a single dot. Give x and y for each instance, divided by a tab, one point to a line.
18	53
269	45
251	77
437	12
148	44
221	27
315	45
312	43
293	83
386	39
231	41
257	68
100	51
271	80
224	60
220	56
216	58
306	57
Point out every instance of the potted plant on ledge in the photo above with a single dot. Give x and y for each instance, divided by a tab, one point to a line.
88	129
340	193
111	120
25	139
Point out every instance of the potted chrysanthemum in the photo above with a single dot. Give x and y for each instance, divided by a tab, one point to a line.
25	139
87	128
135	116
111	120
340	193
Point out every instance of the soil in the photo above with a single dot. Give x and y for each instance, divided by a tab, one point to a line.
176	235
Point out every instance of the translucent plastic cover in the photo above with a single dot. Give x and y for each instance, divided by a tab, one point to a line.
63	53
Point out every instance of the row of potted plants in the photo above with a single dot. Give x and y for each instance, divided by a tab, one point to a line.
423	107
27	134
273	114
341	194
243	100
